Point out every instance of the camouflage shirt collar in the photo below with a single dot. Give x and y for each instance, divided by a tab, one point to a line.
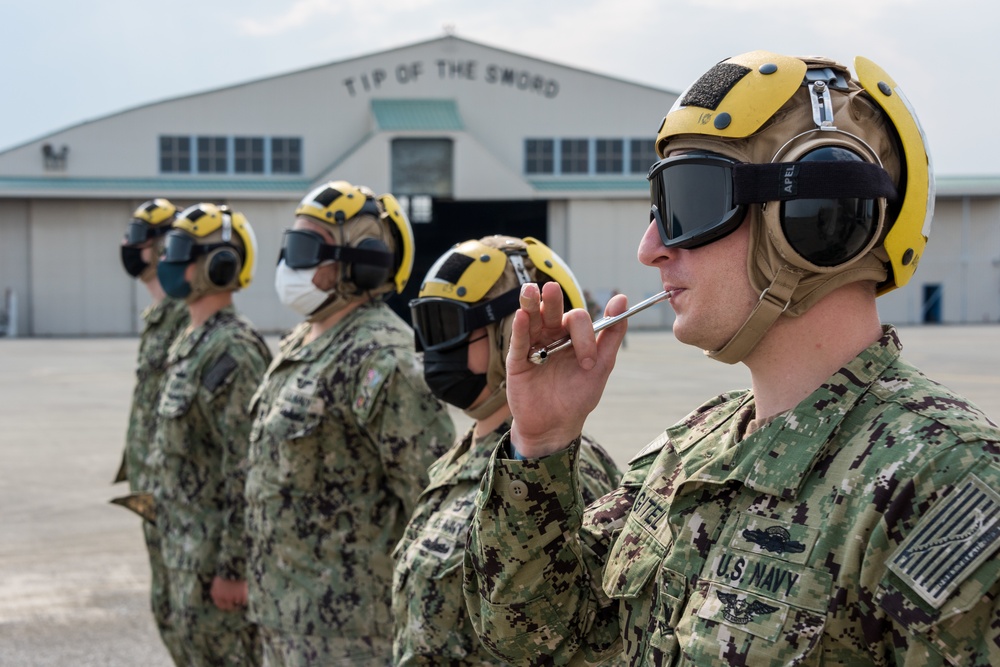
777	458
468	460
154	313
296	351
188	343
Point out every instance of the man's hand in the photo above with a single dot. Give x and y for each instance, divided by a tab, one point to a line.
550	402
229	595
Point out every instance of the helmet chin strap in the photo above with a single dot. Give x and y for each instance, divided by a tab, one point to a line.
773	302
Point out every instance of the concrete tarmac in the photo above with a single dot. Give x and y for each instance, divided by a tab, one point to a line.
73	572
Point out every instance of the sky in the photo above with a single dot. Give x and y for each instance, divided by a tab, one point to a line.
63	62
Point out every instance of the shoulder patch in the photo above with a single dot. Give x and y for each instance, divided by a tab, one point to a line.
950	542
216	374
369	386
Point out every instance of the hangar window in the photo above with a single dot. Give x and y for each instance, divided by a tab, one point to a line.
422	167
175	155
248	155
213	155
538	156
609	156
418	208
575	156
230	155
286	155
642	155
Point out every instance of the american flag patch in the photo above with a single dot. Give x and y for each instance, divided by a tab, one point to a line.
951	541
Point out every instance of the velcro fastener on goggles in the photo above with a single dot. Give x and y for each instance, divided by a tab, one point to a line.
782	181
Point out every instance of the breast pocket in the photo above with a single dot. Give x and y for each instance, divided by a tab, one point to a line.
437	548
292	428
176	398
761	610
650	596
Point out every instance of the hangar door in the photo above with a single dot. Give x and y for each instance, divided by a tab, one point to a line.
452	222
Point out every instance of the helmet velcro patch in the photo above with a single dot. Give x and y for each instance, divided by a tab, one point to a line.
451	269
713	86
327	196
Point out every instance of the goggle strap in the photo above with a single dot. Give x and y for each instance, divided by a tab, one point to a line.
783	181
360	256
773	302
495	310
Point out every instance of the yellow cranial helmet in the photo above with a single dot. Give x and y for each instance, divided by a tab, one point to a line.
476	285
146	229
761	107
480	272
151	220
218	237
374	224
832	171
399	225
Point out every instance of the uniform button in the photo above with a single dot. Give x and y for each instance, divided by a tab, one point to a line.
518	489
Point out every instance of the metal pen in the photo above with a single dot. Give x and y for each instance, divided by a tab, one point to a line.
540	356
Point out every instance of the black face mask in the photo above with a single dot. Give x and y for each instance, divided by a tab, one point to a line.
449	378
132	261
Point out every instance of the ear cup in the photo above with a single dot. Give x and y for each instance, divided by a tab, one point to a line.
222	266
367	276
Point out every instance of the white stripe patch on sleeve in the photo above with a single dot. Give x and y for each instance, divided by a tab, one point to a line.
960	532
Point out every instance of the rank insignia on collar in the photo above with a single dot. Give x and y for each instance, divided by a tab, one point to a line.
774	539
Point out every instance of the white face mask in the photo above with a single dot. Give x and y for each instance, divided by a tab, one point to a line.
296	289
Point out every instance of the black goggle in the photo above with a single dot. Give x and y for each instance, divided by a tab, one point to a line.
180	247
140	231
442	324
303	249
692	199
697	198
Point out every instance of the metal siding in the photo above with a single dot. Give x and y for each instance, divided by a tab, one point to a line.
15	241
259	302
78	285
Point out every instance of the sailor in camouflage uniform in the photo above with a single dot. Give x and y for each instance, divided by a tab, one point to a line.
213	368
161	321
845	509
462	319
344	430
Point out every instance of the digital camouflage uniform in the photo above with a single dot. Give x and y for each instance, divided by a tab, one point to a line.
161	322
432	626
202	438
859	528
345	428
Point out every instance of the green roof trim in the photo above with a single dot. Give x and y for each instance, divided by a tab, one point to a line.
14	184
439	115
600	184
